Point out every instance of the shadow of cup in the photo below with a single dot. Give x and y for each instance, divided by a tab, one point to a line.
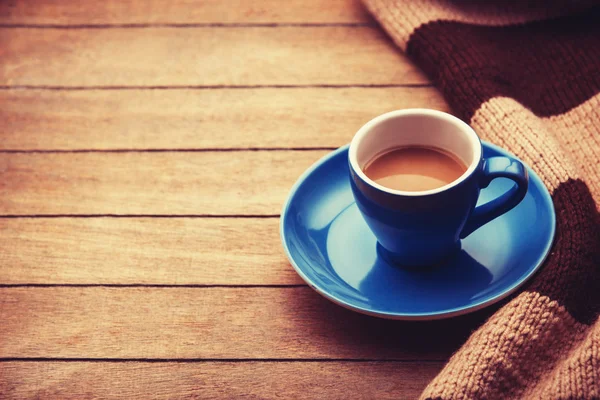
335	332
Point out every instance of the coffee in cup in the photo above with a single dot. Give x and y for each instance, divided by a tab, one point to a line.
415	168
416	175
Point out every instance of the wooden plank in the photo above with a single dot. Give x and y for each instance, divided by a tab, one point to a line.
214	251
210	323
202	56
260	380
56	12
190	119
214	183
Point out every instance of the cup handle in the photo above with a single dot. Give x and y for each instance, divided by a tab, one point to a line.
498	167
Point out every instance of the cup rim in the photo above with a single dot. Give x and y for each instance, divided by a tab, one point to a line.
464	127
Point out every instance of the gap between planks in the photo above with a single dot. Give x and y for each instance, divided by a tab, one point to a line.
193	25
193	216
218	360
203	150
219	87
152	285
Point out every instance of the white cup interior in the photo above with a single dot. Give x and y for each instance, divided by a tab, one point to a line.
414	127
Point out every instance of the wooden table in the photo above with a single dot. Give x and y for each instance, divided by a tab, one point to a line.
146	149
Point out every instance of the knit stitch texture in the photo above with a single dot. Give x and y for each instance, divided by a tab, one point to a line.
528	79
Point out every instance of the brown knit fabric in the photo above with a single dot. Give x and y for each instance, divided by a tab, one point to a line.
528	79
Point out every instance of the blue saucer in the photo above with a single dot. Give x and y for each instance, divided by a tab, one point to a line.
333	250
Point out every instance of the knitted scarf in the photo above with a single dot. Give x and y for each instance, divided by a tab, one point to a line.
527	79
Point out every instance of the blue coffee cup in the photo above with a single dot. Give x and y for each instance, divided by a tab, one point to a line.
423	228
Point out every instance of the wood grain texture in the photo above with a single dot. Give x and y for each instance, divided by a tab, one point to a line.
210	323
56	12
202	56
220	251
255	380
184	341
190	119
213	183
